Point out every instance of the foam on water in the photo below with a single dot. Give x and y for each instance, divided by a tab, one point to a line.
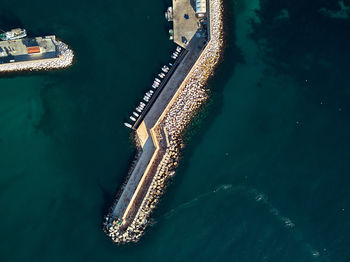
287	222
195	200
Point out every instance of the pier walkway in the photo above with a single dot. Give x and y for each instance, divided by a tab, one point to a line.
160	128
123	209
160	88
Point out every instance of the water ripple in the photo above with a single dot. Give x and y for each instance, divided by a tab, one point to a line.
192	202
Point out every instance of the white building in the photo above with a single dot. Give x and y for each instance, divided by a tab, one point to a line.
201	8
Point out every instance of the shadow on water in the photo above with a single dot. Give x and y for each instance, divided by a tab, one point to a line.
232	56
38	73
9	20
305	44
110	195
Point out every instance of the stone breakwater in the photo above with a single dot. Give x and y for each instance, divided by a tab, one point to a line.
168	131
64	60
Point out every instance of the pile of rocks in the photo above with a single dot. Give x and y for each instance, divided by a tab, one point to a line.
193	93
189	98
65	59
136	229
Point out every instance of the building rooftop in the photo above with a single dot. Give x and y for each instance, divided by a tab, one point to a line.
28	48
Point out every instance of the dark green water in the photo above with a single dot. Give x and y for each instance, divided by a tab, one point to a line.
264	176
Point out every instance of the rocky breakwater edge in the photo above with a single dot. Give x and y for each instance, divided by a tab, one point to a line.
64	59
170	128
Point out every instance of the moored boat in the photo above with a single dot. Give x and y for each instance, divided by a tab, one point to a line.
14	34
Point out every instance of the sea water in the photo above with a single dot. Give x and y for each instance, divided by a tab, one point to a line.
265	172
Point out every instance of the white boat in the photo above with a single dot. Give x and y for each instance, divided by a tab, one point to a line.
154	86
145	98
161	76
178	49
138	110
127	125
170	64
135	114
14	34
151	91
142	103
157	80
132	118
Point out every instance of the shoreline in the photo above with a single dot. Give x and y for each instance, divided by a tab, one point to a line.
167	136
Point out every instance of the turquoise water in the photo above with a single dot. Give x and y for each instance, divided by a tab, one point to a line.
264	175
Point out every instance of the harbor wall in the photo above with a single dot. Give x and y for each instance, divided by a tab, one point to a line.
147	138
165	132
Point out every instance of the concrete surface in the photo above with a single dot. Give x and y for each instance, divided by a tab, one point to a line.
184	28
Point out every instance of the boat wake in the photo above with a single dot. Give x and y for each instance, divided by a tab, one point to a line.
287	222
261	198
195	200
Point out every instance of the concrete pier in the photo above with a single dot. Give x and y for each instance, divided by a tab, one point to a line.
185	21
163	84
37	53
160	130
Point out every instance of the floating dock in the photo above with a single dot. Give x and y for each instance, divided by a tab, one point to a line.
159	128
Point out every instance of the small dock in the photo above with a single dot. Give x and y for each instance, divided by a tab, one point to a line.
34	54
28	49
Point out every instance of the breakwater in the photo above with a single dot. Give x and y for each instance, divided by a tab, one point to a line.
160	135
64	59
